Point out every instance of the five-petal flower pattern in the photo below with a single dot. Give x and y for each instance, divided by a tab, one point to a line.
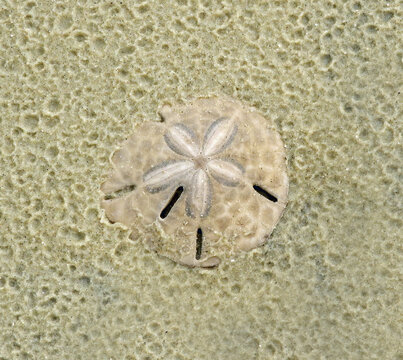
199	164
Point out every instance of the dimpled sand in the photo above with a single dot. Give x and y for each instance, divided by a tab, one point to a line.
77	76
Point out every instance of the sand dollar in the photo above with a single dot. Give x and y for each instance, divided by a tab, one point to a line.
208	182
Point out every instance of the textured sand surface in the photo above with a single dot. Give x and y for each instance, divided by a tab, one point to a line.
75	78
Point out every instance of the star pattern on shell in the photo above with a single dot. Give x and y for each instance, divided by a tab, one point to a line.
206	183
199	165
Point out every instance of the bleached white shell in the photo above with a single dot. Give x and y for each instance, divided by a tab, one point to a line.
208	182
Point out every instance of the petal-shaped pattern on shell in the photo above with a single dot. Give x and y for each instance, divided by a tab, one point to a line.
199	195
182	140
219	136
166	174
227	172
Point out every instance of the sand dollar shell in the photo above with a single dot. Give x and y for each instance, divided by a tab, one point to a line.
210	180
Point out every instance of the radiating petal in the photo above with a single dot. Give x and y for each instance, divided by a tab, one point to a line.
182	140
227	172
218	136
166	174
199	196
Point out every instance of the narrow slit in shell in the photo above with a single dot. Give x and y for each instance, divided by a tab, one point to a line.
175	197
264	193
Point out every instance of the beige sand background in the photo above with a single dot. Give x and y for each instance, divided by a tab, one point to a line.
75	78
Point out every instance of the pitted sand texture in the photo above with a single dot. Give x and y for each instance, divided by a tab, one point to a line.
78	77
223	159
